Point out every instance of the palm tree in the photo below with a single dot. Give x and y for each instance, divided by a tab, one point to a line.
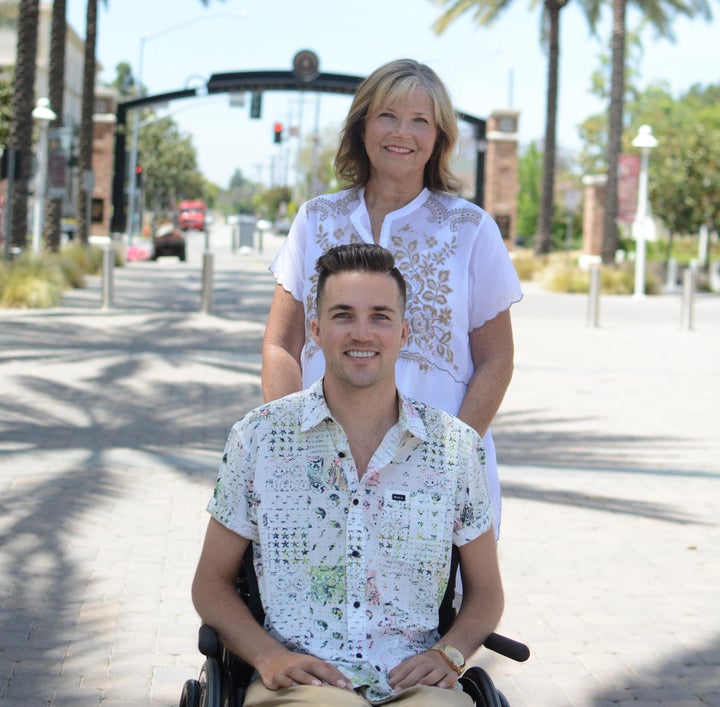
485	11
86	121
56	90
660	16
86	118
22	122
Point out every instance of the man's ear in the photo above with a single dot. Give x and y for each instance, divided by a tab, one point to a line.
315	331
405	331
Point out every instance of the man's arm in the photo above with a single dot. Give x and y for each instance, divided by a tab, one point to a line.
492	350
219	605
282	346
481	609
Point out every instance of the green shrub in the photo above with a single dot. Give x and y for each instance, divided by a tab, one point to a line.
527	264
31	282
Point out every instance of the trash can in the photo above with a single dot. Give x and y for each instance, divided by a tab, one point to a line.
246	226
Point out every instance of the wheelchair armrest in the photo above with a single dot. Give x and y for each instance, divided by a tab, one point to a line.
507	647
208	641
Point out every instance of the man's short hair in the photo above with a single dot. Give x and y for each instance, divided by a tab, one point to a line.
354	257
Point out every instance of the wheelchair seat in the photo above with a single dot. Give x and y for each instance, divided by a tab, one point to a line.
224	678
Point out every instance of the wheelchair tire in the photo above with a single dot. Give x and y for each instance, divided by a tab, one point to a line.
210	684
190	696
478	684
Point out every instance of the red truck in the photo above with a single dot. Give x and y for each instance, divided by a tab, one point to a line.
191	214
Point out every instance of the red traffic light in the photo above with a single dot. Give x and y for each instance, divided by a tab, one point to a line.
277	129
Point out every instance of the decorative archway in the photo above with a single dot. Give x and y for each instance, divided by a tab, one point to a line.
304	76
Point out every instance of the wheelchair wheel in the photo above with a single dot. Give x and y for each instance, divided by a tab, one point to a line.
190	696
210	684
478	685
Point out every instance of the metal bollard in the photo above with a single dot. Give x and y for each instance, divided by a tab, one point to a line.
108	264
672	273
207	283
593	308
688	299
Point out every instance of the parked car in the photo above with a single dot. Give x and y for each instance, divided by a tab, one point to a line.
169	240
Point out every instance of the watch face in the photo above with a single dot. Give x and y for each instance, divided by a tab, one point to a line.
455	655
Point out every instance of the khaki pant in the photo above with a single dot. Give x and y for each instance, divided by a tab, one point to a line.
326	696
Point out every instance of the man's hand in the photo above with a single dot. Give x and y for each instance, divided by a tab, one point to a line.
427	668
283	668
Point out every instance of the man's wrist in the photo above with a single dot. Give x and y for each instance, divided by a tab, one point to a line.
452	656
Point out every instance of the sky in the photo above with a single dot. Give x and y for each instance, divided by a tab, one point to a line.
485	68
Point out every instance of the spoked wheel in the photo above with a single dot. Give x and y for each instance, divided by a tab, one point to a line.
210	684
190	696
478	684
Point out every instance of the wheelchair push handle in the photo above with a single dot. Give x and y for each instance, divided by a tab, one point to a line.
508	647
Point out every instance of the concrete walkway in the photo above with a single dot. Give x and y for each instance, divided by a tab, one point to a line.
111	429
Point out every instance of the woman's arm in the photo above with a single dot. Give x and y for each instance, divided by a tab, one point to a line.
492	351
282	346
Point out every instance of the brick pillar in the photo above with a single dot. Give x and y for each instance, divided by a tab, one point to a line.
501	172
593	214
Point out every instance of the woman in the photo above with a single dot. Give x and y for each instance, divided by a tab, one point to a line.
395	152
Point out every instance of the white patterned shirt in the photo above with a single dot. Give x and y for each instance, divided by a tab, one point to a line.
459	276
352	570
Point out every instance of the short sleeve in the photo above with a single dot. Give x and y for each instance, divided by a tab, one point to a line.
474	514
494	284
288	267
233	501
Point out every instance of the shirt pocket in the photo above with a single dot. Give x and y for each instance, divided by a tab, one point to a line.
414	526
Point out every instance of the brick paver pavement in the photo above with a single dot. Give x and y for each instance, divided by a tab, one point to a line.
113	422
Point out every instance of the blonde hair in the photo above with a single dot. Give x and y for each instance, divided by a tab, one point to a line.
397	80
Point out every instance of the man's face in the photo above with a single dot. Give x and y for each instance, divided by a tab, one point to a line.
360	328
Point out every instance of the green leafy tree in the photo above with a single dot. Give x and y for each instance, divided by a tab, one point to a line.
529	178
169	164
684	169
660	16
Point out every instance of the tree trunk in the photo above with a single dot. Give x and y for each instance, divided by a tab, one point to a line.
543	236
22	121
615	129
53	208
86	120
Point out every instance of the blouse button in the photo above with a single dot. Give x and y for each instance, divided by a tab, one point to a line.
341	455
355	501
356	604
355	553
358	655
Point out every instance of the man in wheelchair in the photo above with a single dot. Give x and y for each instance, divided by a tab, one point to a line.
352	496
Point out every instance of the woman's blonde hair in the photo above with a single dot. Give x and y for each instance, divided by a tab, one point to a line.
397	80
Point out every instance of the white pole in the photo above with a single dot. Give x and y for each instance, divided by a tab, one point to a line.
645	141
44	115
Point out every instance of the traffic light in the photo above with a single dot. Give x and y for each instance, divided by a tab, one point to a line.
277	130
255	104
138	177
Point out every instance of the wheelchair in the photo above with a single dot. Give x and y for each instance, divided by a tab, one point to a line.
224	678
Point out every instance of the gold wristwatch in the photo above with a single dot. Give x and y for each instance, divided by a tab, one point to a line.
452	656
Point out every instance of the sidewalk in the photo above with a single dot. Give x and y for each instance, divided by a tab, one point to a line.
113	423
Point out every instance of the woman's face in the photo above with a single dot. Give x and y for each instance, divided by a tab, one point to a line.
400	136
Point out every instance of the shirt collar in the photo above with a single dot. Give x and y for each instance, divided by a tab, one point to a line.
316	411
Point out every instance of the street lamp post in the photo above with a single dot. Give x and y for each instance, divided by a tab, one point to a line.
645	141
43	115
132	187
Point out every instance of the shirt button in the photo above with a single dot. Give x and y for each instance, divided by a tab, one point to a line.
355	501
358	655
356	604
341	455
355	553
